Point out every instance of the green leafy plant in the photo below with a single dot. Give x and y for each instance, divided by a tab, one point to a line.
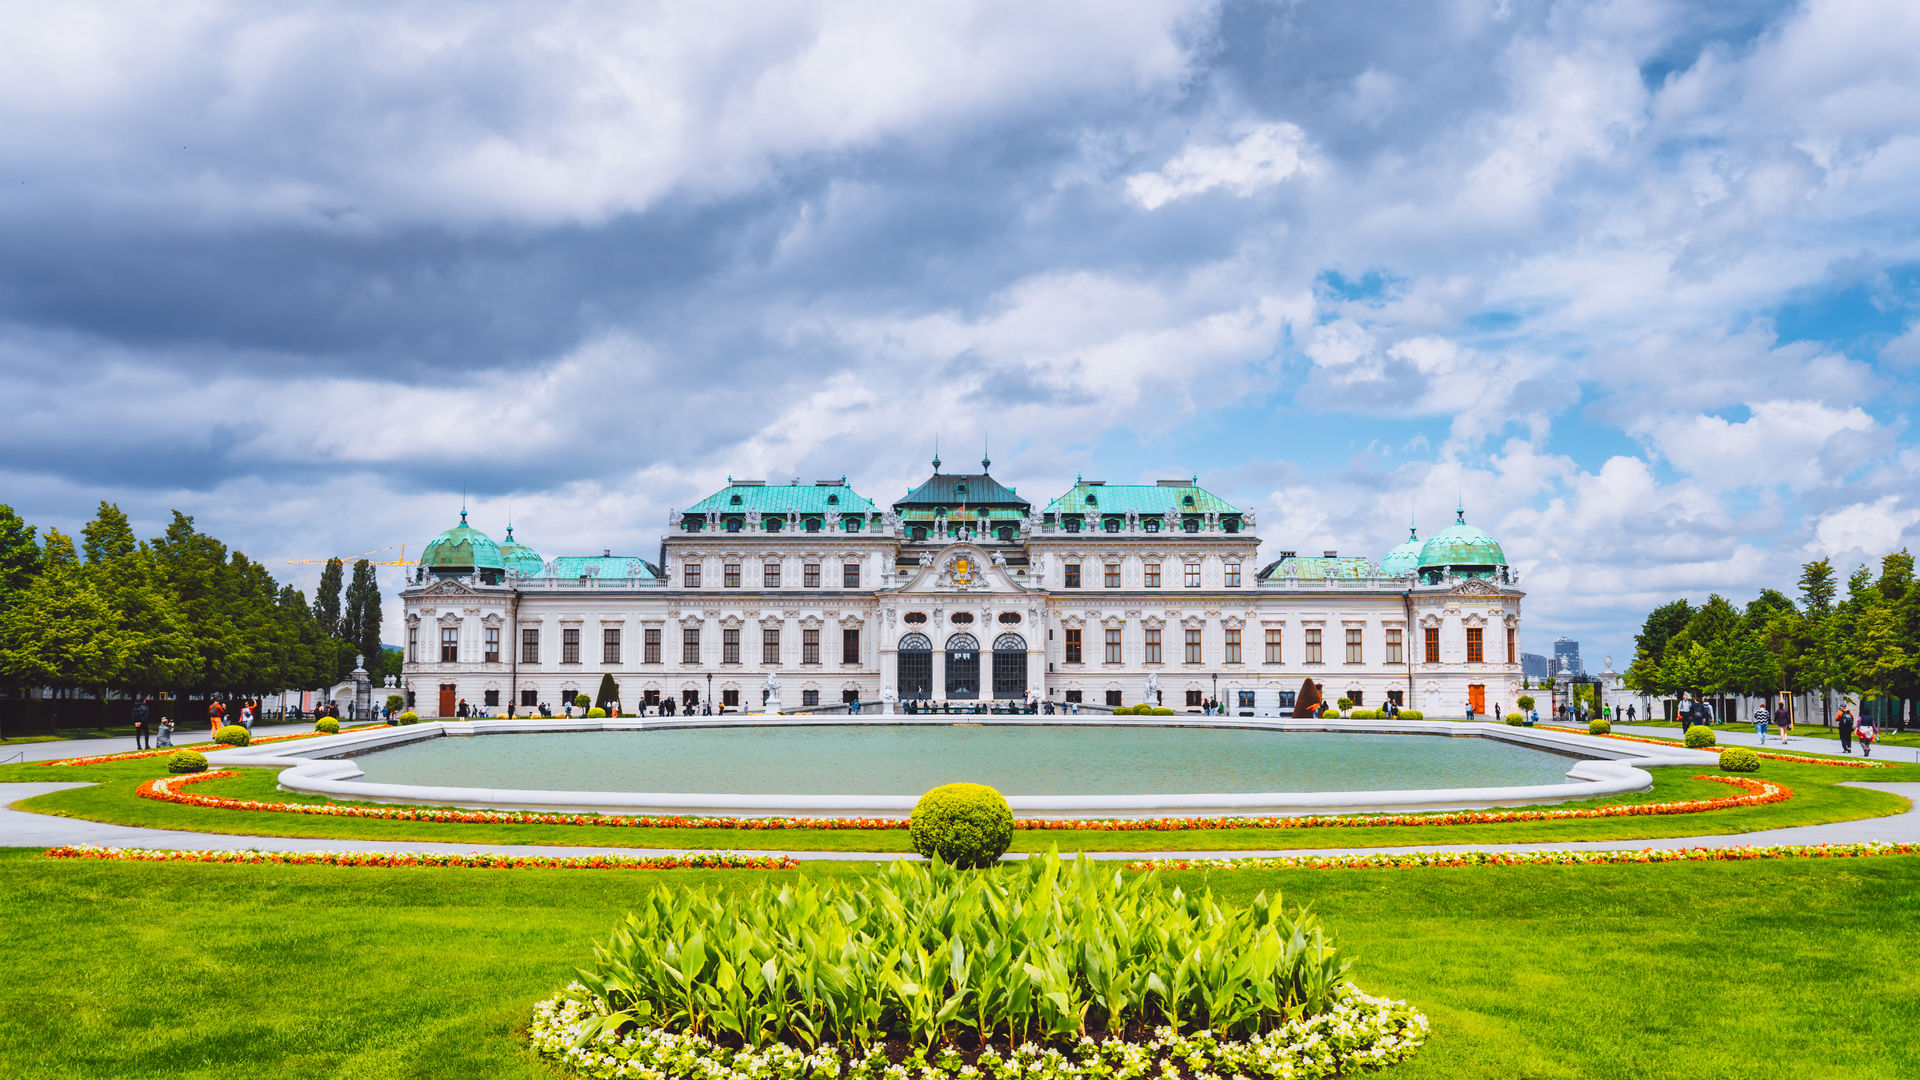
1739	759
1343	704
1162	712
1525	701
596	713
327	724
232	735
1412	714
187	761
581	701
395	703
1047	951
968	825
1515	719
408	717
1699	737
1602	727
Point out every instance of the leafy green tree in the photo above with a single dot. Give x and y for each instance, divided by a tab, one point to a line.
609	693
19	554
360	626
60	632
326	599
152	637
1662	623
109	536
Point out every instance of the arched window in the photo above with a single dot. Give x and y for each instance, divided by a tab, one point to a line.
1009	667
963	667
916	667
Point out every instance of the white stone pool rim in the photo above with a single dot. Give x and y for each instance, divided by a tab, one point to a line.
324	766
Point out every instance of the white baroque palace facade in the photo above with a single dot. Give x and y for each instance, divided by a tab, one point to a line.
962	593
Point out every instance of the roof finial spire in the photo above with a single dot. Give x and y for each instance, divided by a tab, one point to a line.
936	452
986	458
463	504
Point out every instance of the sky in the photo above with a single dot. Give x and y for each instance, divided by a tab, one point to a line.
1636	283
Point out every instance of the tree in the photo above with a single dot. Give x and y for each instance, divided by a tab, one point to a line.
360	626
609	694
153	639
326	599
108	536
19	554
1662	623
59	632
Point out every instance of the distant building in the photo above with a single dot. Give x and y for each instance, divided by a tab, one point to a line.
1567	651
1535	666
1553	669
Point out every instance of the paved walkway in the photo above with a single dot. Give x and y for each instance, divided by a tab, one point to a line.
21	829
1744	736
120	744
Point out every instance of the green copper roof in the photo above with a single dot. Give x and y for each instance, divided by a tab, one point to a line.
1156	499
1462	545
953	490
1316	568
605	567
462	547
758	498
1404	559
520	558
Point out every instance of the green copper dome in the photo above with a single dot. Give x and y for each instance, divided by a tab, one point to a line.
462	548
1404	559
1468	549
520	558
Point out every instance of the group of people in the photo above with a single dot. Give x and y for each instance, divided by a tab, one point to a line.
153	730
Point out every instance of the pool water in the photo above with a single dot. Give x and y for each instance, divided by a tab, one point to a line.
907	760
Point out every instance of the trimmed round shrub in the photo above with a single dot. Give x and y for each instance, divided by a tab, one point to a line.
407	718
1525	701
596	713
1163	712
187	761
965	825
1515	719
581	701
1699	737
1739	759
1343	704
1412	714
395	703
232	735
1599	727
327	724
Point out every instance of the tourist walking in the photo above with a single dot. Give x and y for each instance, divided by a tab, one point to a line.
1686	715
140	726
1845	723
1783	719
1760	721
1868	733
462	711
1632	711
216	712
246	716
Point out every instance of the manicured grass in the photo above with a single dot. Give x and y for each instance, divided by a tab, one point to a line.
1723	970
1801	730
1817	799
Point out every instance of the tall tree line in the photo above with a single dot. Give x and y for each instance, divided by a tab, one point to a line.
1865	644
179	613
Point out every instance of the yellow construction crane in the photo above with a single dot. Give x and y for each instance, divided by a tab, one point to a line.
351	559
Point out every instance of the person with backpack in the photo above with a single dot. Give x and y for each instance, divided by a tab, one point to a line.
1844	722
1868	733
1760	721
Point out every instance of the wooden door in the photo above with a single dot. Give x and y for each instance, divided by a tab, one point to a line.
447	703
1477	694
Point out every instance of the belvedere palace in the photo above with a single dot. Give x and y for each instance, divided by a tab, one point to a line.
962	591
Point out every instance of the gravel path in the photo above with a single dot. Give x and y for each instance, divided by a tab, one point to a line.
21	829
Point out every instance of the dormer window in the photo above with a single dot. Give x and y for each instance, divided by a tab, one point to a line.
813	525
1113	524
833	500
735	500
959	489
1153	524
1073	524
1093	500
1186	500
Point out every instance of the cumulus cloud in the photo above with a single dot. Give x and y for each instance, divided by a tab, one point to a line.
1865	531
1259	159
1796	443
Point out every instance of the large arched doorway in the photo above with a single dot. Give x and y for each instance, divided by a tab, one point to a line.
916	667
963	668
1010	667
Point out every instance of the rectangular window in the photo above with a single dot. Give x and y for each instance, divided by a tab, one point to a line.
530	645
1398	697
1193	646
1193	575
1233	575
1153	645
850	575
850	646
1073	575
1355	696
650	643
530	698
1233	646
1476	647
1153	575
493	644
770	575
809	646
1193	699
610	645
1512	657
730	575
730	645
1313	647
690	646
770	646
1113	645
1073	695
1356	642
1113	575
1273	645
490	698
1433	644
413	644
690	575
810	575
570	645
449	645
1246	699
809	699
1394	654
729	699
1073	645
1113	697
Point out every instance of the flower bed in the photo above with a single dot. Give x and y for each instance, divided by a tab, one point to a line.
1424	859
167	789
1843	763
1359	1033
476	860
131	755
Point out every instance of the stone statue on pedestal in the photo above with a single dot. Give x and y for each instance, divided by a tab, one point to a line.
1153	688
773	693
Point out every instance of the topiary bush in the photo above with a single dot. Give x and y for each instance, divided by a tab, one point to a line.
1739	759
1343	704
1412	714
408	717
581	701
232	735
1163	712
1525	701
1515	719
966	825
327	724
1599	727
1699	737
187	761
395	703
596	713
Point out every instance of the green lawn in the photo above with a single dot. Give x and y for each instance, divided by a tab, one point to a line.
1721	970
1817	798
1802	729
